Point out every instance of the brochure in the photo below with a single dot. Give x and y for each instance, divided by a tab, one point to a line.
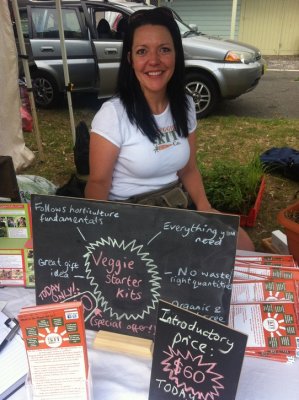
271	327
54	337
260	291
12	267
16	249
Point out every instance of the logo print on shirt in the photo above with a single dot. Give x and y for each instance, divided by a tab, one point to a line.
168	138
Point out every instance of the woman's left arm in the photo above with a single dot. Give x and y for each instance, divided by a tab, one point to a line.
191	178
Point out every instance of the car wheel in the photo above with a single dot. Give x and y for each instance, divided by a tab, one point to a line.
45	90
204	92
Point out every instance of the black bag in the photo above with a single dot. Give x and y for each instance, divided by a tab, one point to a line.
73	188
282	160
172	195
81	149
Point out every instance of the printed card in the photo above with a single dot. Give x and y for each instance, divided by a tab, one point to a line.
15	221
270	326
259	291
54	338
12	267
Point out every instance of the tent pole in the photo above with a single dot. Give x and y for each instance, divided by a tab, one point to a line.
28	78
68	84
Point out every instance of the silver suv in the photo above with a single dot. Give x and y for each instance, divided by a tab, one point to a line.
215	69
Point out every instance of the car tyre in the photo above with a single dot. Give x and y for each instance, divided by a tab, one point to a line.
45	90
204	91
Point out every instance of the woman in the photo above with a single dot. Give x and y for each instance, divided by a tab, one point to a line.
144	138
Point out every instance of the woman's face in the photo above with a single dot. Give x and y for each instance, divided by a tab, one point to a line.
153	58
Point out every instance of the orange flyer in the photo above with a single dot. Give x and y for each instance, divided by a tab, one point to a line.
259	291
255	272
54	337
273	355
270	260
269	326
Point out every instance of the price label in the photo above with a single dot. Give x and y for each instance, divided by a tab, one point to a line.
193	374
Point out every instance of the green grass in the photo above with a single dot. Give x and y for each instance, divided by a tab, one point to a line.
231	185
219	138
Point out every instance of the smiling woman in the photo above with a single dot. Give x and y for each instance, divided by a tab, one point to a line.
143	140
153	61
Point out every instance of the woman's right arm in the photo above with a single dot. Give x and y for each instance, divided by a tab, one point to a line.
102	158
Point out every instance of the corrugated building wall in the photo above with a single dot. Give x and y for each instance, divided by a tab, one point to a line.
212	17
271	25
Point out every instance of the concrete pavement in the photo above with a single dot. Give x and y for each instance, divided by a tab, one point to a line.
282	63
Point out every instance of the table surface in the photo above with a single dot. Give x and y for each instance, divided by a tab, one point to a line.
120	377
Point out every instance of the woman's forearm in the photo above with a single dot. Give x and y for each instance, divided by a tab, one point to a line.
96	190
192	182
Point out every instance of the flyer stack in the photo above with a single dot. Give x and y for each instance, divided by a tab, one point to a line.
16	249
54	337
264	304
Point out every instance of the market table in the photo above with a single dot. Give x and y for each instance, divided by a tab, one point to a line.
120	377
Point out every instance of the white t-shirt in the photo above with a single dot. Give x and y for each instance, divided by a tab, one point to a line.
142	166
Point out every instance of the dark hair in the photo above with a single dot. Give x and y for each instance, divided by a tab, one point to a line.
128	87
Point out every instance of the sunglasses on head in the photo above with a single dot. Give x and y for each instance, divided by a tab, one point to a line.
158	11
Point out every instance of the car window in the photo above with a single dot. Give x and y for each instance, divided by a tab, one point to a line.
71	24
24	23
109	24
45	23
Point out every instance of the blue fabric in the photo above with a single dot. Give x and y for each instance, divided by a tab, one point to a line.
284	160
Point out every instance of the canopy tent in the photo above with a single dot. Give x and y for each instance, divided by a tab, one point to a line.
11	134
27	77
12	140
68	84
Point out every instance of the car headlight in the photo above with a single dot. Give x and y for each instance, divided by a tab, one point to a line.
239	56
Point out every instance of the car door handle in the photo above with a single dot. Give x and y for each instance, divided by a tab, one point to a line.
47	48
111	50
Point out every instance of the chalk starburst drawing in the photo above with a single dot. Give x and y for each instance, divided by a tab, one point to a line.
193	375
153	282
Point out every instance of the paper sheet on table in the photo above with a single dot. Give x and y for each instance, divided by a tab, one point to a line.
13	361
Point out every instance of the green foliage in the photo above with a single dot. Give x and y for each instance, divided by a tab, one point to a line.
231	186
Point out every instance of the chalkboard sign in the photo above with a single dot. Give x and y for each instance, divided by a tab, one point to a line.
194	357
120	259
